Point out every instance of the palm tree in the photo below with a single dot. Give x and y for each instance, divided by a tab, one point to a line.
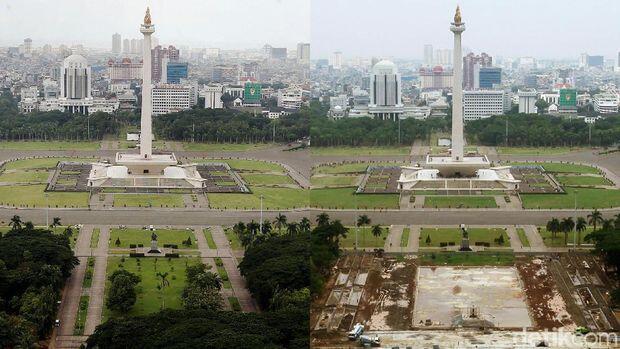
163	278
608	224
29	226
580	226
280	222
376	230
56	222
361	221
292	228
16	222
553	226
566	226
322	219
617	221
595	218
304	225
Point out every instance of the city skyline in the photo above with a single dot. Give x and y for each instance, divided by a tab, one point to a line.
221	24
496	30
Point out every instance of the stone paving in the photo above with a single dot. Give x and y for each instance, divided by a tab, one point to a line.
95	305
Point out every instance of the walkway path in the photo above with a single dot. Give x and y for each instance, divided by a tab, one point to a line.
297	176
96	301
536	241
392	242
230	264
513	236
414	239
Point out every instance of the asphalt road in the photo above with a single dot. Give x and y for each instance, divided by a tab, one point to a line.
212	217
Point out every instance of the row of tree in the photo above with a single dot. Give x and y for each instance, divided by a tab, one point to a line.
568	224
34	266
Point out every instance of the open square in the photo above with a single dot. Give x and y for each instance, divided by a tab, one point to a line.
481	297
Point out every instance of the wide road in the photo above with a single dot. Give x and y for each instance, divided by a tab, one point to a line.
214	217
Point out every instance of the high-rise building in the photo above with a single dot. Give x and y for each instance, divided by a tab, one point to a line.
303	53
176	71
169	98
290	98
428	55
28	46
595	61
527	101
335	61
486	77
75	78
278	53
482	104
385	91
116	43
443	57
252	94
436	78
483	60
606	103
213	96
568	100
125	70
126	46
158	54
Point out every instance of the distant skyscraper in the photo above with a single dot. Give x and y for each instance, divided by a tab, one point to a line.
75	78
595	61
158	54
486	77
303	52
443	57
116	43
483	60
175	72
278	53
126	46
428	55
28	46
335	60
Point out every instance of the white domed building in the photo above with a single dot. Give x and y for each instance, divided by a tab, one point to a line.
385	91
75	78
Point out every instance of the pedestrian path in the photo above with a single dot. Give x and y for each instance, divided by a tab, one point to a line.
97	288
392	242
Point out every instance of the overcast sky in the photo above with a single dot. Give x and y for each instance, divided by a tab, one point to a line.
509	28
198	23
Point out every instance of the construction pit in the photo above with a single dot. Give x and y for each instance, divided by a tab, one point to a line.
402	298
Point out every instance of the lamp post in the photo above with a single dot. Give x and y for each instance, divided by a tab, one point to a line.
47	211
261	214
575	230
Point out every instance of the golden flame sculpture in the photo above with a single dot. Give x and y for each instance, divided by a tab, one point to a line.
147	17
457	15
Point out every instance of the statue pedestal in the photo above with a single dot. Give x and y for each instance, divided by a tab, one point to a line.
465	245
154	248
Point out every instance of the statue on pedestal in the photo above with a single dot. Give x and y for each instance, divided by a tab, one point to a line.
154	248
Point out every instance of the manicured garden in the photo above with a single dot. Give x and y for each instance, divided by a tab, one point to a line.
150	298
335	181
345	198
209	238
273	198
365	238
233	239
535	150
460	201
558	240
435	237
525	242
404	238
265	179
587	198
148	200
136	236
48	145
34	196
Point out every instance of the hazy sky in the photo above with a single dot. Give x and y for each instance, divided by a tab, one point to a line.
400	28
198	23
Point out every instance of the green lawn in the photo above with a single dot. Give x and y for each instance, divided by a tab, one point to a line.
149	298
43	163
404	239
523	237
25	176
467	258
80	319
364	238
335	181
234	303
34	196
360	151
94	238
454	235
224	146
352	167
273	198
581	180
88	276
233	239
345	198
460	201
267	179
148	200
221	271
558	241
561	167
586	198
51	145
252	165
209	238
534	150
143	236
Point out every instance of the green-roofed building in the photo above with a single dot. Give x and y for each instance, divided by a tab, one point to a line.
252	94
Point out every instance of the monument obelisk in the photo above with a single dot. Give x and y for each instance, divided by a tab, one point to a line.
457	27
146	132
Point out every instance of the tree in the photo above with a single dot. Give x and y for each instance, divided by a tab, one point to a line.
608	224
39	307
566	226
56	222
428	240
362	220
117	242
280	222
580	226
16	222
202	289
122	293
304	224
292	228
163	283
595	218
617	221
542	106
553	226
376	230
322	219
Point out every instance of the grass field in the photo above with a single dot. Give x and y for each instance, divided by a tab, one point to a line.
267	179
148	200
364	238
94	238
467	258
80	319
51	145
561	167
34	196
558	241
454	235
221	271
232	147
586	198
345	198
88	276
335	181
143	236
209	238
523	237
149	298
351	167
25	176
359	151
580	180
535	150
43	163
404	239
233	239
460	201
273	198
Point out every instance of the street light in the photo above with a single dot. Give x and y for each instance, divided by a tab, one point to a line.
575	230
47	211
261	214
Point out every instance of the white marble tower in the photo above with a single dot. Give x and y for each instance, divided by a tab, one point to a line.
457	27
146	132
